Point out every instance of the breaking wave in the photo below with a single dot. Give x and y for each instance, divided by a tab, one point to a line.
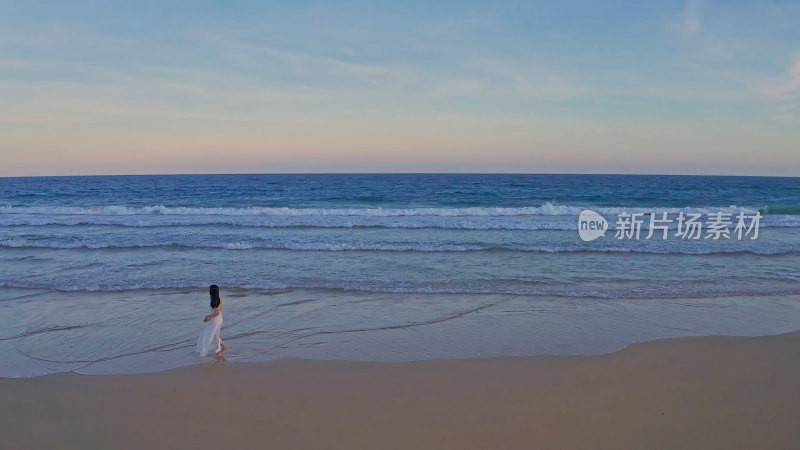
395	247
546	217
548	209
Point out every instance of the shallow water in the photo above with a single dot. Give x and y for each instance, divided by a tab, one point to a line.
144	331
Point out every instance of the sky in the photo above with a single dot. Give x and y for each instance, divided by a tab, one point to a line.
653	87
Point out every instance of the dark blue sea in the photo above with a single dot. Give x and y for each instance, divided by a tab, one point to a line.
110	274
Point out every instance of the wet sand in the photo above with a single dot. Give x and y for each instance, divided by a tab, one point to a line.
709	392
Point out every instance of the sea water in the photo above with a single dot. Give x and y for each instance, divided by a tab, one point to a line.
110	274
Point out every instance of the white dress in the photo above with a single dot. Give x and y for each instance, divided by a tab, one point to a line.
209	341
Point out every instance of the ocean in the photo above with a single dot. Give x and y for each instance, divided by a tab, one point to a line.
109	274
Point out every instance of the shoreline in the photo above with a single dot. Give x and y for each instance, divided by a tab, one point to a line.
209	360
688	392
101	333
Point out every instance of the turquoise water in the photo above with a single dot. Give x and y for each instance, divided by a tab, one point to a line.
108	274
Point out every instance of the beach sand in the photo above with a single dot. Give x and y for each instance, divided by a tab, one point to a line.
709	392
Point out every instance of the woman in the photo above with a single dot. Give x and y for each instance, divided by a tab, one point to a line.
209	339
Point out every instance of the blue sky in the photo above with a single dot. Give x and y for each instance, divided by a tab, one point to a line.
582	87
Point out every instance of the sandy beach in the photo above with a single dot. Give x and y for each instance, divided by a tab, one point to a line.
709	392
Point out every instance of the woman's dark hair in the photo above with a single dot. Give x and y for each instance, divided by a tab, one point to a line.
214	291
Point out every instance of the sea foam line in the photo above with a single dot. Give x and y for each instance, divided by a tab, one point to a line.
547	209
532	291
23	243
530	223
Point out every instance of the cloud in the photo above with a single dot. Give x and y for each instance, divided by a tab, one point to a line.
7	63
691	22
786	92
786	88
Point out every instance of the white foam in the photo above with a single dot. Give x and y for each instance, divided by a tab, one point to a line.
548	209
397	247
546	217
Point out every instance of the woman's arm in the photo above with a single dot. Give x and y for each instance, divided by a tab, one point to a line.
216	312
212	315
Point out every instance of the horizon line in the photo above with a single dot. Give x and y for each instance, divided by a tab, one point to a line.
395	173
